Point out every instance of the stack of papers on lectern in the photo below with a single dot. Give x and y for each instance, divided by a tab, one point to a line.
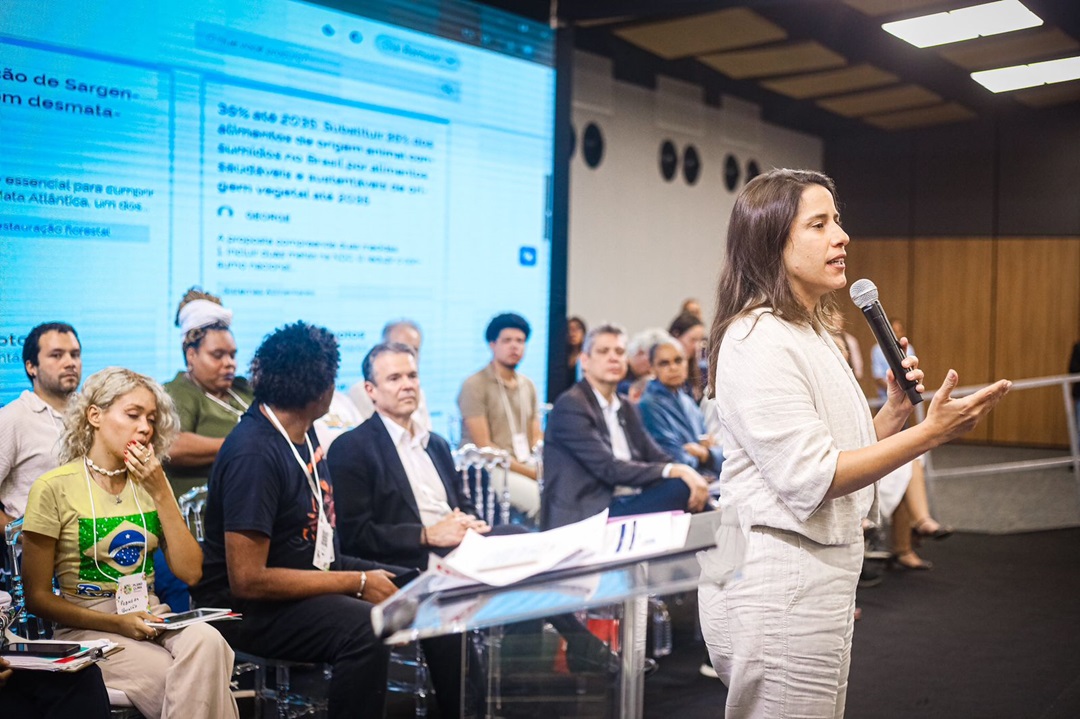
502	560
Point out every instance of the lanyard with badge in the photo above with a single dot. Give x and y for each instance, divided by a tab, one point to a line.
519	438
132	592
324	534
224	405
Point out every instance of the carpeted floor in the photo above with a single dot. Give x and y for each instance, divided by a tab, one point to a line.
993	631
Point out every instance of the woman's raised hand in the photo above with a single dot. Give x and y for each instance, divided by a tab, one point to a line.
145	469
950	418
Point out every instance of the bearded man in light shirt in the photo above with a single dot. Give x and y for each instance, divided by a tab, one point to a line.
30	426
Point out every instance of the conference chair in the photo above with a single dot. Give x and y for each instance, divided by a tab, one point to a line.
281	694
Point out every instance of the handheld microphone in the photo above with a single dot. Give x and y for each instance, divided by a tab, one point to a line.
865	296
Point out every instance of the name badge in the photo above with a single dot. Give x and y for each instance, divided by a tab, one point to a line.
522	452
324	545
132	594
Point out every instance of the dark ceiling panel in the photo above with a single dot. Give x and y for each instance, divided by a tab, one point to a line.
904	8
1060	93
1013	48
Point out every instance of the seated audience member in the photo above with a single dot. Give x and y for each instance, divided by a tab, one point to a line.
406	332
637	358
342	416
690	331
210	400
209	397
597	454
637	390
850	348
691	306
399	497
94	522
398	494
499	408
902	494
30	426
879	366
672	417
29	694
270	536
575	336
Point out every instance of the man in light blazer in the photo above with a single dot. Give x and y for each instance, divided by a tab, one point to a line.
597	454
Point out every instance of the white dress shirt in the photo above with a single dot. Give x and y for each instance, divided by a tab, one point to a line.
427	486
620	446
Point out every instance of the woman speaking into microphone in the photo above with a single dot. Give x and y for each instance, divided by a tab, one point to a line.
803	453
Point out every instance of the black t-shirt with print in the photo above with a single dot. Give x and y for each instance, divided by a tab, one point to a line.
256	485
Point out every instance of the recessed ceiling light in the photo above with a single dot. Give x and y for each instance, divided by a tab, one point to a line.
964	24
1004	79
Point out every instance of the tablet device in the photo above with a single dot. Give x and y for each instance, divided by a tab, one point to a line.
48	650
400	580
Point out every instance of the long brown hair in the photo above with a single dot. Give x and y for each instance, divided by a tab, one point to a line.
753	275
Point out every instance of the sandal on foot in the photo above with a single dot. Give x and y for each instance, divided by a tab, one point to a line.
910	561
940	531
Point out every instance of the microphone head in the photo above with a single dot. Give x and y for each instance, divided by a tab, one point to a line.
863	293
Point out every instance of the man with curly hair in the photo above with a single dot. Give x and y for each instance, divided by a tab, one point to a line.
270	530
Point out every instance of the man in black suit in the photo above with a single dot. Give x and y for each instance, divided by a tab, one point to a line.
597	453
398	495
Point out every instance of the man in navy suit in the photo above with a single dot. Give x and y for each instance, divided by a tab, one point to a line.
597	453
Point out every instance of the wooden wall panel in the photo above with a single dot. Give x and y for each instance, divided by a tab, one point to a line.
883	261
1037	322
951	322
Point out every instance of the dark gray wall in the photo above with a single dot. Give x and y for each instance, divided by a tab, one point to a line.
1009	177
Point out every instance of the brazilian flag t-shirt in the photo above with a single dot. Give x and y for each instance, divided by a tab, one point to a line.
98	544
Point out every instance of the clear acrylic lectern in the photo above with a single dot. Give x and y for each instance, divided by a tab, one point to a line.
712	552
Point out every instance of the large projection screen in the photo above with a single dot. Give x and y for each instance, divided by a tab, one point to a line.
301	162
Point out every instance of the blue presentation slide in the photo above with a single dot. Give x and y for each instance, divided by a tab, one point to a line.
298	161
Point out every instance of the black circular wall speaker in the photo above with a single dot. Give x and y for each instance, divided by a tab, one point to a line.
752	170
691	165
731	173
669	160
592	145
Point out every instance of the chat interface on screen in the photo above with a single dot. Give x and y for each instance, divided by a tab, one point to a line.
298	161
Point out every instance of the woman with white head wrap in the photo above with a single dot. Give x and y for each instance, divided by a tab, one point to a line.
209	396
